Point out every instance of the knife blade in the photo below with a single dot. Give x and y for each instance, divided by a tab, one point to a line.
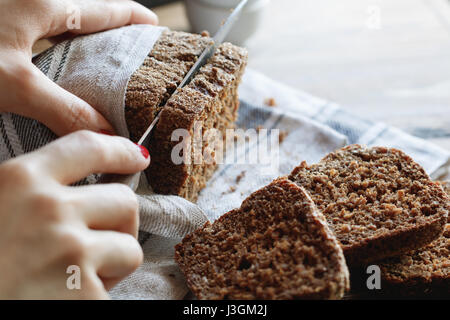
133	180
207	53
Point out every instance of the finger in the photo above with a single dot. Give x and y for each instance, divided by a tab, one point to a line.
109	283
75	156
92	286
115	255
107	207
32	94
85	16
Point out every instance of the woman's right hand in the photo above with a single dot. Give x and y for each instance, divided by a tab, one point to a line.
47	226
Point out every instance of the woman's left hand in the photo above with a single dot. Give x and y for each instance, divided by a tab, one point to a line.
24	89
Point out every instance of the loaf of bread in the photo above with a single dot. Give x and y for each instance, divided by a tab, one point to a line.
275	246
209	101
426	270
378	201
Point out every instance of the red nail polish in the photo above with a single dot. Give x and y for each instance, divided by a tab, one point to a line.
108	133
144	151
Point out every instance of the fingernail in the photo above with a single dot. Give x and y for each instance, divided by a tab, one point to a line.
109	133
144	151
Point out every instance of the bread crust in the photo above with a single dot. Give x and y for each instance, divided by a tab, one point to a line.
381	247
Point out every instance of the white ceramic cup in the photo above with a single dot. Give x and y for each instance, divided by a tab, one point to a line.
209	14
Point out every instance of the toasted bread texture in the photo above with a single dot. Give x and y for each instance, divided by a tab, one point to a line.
426	270
378	201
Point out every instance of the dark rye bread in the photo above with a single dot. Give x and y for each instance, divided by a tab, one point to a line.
162	71
275	246
210	100
426	270
378	201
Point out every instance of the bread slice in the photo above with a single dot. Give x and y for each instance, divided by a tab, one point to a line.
210	101
426	270
378	201
275	246
162	71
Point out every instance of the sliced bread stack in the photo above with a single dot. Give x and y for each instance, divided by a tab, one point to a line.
208	104
286	239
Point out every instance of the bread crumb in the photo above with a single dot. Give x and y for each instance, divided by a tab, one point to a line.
230	190
391	210
205	33
447	231
282	136
240	176
270	102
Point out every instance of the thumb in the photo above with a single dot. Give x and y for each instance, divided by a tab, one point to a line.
61	111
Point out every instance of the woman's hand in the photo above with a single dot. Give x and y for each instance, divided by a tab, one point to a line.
24	89
47	226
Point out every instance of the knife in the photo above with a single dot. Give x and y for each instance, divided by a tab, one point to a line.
132	180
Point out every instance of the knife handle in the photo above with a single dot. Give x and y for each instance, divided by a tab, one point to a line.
131	180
